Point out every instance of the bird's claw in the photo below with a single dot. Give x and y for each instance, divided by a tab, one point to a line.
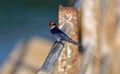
59	42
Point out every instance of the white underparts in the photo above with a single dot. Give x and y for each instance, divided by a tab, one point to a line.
52	27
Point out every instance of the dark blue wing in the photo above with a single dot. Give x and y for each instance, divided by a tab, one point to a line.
63	36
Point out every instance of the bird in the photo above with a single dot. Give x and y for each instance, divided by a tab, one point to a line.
60	35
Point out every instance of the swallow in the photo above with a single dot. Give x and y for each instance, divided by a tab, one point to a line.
60	35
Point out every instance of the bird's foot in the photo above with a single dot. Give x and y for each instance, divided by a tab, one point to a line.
58	42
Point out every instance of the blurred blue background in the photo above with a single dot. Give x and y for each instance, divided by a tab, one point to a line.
21	19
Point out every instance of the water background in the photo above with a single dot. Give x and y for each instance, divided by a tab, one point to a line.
21	19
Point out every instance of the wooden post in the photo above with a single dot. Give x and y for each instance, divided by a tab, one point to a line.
68	61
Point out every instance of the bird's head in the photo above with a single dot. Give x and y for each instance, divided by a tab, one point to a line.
52	24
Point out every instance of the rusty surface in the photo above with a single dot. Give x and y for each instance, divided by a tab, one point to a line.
68	61
90	23
108	48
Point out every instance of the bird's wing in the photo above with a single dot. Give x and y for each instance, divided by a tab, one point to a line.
63	36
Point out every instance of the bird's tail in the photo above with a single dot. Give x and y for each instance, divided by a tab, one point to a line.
73	42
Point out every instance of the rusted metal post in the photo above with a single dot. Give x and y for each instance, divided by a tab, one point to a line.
49	64
116	62
68	61
90	22
107	36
